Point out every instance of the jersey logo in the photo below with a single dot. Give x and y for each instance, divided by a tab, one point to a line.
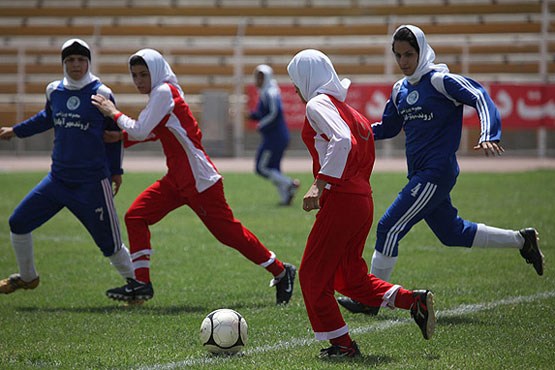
412	97
363	129
73	103
414	191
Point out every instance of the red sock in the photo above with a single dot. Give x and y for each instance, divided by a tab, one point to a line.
276	268
343	341
142	275
404	299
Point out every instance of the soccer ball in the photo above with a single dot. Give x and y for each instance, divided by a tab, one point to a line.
224	331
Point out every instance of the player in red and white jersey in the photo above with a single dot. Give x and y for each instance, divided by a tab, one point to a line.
192	179
341	144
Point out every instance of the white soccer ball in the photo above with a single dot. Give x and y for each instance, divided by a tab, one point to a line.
224	331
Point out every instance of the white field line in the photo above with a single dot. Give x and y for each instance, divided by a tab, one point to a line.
465	309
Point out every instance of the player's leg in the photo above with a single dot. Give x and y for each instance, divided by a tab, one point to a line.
148	208
452	230
417	199
324	251
40	205
151	206
213	210
93	205
268	164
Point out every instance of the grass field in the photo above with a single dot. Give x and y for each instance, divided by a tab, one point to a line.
493	311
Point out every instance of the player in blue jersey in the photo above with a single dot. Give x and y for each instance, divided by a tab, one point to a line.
428	105
85	173
275	134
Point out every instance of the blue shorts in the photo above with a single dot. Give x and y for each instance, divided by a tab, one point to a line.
428	200
269	156
92	204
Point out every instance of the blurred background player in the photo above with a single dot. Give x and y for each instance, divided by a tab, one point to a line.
274	132
428	105
192	179
339	140
82	172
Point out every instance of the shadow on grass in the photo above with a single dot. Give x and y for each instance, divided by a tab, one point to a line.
138	309
366	360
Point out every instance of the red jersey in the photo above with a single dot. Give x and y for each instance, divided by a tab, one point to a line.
341	144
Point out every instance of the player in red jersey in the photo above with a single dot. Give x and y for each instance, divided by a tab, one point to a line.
192	179
341	144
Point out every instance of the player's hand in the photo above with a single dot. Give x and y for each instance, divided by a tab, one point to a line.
105	106
6	133
311	200
112	136
116	183
490	147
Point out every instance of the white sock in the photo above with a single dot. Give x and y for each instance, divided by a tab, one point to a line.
121	260
23	247
282	182
382	265
493	237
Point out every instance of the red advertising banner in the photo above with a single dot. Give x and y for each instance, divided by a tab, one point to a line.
521	106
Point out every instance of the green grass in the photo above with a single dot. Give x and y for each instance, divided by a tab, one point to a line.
494	312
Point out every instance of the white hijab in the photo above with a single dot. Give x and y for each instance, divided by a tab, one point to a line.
88	77
269	81
269	84
159	69
425	58
313	73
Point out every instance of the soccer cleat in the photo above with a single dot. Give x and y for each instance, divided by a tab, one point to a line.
422	311
356	307
531	251
14	282
340	351
291	191
132	292
284	286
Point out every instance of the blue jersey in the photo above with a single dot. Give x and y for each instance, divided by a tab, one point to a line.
269	114
79	154
431	115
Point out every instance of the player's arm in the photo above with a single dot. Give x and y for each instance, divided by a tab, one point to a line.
326	120
114	150
470	92
311	199
392	122
273	109
40	122
159	105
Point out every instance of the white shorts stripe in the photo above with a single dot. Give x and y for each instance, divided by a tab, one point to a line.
112	214
393	234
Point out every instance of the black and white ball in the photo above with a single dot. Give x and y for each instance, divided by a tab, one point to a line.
224	331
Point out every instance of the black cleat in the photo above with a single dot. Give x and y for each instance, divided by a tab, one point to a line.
356	307
340	351
422	311
132	292
284	287
531	250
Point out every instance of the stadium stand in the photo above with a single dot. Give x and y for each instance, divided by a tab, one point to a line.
492	40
